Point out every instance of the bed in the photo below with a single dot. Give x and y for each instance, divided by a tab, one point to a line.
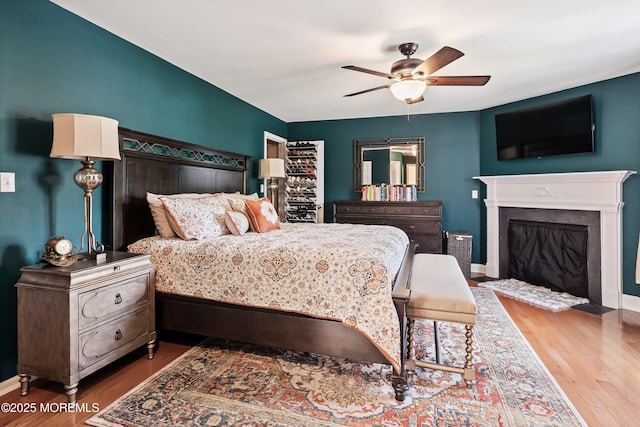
164	166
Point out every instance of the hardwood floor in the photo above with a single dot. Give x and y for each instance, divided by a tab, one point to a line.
594	358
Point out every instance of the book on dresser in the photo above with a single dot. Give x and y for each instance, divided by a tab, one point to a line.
422	221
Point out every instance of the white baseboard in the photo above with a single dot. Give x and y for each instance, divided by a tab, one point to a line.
478	268
9	385
631	302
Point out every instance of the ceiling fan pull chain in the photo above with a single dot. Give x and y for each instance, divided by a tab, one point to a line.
408	111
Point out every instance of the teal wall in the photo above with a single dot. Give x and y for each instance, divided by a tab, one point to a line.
617	147
452	153
52	61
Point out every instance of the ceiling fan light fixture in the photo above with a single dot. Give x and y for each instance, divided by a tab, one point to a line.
407	90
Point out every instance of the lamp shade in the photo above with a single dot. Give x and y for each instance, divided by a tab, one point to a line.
78	136
406	90
271	168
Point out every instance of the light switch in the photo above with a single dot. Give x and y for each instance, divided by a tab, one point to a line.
7	182
474	194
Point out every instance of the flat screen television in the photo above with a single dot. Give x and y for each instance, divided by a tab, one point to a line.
564	127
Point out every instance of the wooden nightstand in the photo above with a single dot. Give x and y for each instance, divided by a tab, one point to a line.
75	320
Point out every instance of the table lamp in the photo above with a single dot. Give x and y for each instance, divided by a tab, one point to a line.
87	138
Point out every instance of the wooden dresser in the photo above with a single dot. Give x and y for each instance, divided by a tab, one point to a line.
422	221
74	320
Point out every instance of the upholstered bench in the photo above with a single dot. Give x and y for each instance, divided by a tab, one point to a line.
439	292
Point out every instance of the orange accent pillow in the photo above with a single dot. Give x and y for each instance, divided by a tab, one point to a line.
262	214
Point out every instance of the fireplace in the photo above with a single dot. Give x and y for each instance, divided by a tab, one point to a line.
576	270
578	193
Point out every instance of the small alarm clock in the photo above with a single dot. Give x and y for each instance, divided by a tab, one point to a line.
59	251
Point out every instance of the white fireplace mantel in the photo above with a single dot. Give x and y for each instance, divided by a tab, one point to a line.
592	191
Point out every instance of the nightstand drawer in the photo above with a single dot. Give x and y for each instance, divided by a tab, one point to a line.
99	304
99	343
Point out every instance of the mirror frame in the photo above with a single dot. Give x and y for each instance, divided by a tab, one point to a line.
359	144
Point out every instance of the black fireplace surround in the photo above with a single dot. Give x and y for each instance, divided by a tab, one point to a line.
548	247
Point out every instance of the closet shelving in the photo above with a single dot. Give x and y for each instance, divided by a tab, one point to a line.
304	181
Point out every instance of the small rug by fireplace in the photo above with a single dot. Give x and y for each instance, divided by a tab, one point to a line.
534	295
227	383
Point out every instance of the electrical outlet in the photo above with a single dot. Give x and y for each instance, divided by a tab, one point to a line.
474	194
7	182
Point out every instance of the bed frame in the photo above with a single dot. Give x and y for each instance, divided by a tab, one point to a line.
165	166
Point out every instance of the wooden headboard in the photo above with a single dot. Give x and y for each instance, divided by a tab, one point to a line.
163	166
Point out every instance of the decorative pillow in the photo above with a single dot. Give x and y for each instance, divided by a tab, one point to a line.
196	218
237	195
159	214
236	222
262	214
238	205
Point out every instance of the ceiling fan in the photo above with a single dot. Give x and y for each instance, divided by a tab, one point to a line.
412	75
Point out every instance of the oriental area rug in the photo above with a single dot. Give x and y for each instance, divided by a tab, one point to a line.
222	383
534	295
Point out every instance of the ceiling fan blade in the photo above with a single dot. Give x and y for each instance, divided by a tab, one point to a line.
457	80
368	90
444	56
414	101
366	70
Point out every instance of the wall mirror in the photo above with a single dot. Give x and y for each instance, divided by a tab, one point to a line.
398	161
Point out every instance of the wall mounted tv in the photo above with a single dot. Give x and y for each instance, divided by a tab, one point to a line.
564	127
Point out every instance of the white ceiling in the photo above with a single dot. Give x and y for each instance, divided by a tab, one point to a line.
285	56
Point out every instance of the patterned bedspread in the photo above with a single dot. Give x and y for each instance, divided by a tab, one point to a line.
334	271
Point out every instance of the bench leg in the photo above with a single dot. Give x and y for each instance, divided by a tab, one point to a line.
469	371
436	339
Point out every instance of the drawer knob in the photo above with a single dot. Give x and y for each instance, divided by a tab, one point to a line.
411	227
118	299
116	268
118	336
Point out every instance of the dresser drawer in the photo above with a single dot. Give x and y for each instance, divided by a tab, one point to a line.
426	211
427	227
428	243
99	343
362	209
346	209
371	209
96	305
399	209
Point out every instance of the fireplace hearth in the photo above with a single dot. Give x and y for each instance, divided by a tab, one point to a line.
578	193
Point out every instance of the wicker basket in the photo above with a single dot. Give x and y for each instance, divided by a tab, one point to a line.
458	244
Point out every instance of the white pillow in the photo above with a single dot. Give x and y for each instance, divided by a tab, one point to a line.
197	218
159	214
252	196
236	222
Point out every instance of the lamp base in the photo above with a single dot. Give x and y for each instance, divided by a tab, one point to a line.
98	257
